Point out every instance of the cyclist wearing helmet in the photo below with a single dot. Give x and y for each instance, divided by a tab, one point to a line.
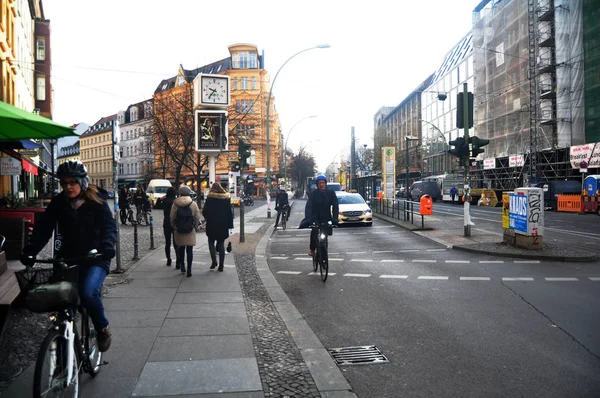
321	207
85	222
282	205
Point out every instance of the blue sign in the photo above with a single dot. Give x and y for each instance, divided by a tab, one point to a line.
517	213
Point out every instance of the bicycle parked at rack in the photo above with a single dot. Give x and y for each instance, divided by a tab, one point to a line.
320	256
70	347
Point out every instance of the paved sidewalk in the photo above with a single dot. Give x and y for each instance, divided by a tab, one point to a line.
233	333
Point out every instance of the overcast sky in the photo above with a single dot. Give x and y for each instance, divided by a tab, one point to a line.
109	54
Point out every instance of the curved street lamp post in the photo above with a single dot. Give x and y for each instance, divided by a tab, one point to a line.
268	137
285	146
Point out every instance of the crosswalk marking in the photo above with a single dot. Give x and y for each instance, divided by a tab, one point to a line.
424	261
491	262
458	261
392	261
394	276
361	260
475	278
518	279
562	279
437	278
358	275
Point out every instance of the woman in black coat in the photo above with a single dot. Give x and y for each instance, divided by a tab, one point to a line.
167	203
219	220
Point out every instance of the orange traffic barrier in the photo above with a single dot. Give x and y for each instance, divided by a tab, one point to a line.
569	203
590	203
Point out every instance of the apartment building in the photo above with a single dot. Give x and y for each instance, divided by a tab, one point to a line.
136	144
96	151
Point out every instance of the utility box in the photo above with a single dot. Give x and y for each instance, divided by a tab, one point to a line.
526	217
426	205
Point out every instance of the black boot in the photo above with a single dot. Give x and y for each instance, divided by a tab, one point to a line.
182	268
177	265
213	256
189	270
213	265
168	262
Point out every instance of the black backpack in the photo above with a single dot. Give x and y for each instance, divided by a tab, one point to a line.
184	221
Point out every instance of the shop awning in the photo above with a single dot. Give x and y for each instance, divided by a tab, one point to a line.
29	167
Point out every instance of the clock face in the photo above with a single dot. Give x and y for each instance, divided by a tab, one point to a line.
214	90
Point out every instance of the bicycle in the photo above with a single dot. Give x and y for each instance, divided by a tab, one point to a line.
143	217
248	200
282	216
65	353
320	257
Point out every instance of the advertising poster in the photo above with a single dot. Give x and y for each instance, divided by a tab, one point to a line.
211	130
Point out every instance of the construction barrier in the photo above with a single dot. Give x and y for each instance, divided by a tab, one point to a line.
570	203
590	203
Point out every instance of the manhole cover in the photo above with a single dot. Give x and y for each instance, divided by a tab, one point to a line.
361	355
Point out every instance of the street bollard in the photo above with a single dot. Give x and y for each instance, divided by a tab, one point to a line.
135	242
152	233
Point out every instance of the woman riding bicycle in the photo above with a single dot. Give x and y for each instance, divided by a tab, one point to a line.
85	222
282	205
321	207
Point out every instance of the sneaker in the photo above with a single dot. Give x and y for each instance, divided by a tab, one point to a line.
104	339
311	253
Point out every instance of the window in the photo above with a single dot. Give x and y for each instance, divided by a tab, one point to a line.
245	129
40	46
244	83
253	82
41	88
244	106
235	83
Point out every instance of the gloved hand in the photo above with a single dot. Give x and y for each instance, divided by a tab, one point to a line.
107	251
28	256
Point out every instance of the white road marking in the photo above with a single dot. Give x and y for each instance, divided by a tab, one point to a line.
333	253
458	261
300	254
336	259
392	261
491	262
279	258
355	252
526	261
436	250
474	278
394	276
360	233
562	279
594	278
518	279
358	275
407	250
383	251
437	278
384	226
318	273
355	260
424	261
303	258
289	272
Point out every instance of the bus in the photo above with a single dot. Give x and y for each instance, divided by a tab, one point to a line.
446	182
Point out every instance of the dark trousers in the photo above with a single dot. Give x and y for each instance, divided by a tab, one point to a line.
285	212
123	214
220	247
313	238
170	236
190	256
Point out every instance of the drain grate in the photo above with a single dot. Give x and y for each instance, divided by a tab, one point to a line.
361	355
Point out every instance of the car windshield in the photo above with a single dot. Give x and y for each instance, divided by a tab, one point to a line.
350	199
160	189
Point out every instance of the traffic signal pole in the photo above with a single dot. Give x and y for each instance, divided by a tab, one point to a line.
467	188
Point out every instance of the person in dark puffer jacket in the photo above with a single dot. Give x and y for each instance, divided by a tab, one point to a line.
85	223
167	204
219	220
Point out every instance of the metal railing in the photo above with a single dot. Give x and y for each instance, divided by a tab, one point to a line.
400	209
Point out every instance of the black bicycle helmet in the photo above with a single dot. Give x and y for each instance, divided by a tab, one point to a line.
74	169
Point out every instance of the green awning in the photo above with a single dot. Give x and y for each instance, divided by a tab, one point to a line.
17	124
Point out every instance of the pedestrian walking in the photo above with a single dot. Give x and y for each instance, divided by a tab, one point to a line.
453	193
185	216
219	220
167	204
124	198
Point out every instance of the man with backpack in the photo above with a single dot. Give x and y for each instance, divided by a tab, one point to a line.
185	216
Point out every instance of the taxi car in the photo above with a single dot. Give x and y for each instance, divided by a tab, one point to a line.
353	209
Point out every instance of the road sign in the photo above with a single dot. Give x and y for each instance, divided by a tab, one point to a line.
583	166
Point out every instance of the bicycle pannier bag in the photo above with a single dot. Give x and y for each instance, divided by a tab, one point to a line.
184	221
52	297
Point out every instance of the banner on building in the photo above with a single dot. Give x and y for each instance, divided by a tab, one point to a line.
516	161
388	156
211	131
10	166
589	153
489	163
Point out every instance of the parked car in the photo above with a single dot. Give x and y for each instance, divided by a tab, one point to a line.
354	209
420	188
334	186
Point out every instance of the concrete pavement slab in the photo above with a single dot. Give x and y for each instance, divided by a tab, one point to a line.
136	319
207	310
199	377
126	290
193	348
211	282
155	274
137	303
208	297
204	326
113	387
152	283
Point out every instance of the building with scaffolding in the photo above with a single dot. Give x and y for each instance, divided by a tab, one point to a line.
528	89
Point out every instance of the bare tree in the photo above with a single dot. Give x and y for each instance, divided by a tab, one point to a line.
302	166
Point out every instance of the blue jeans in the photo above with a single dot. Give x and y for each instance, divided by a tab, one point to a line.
90	286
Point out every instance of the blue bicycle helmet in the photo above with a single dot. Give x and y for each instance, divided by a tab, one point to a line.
320	177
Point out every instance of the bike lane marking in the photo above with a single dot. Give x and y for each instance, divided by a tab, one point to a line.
394	276
437	278
562	279
358	275
475	278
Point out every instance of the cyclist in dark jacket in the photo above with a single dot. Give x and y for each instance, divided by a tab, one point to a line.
282	205
124	198
140	201
167	203
322	206
85	222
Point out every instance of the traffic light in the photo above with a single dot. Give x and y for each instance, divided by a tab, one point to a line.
243	153
460	110
461	148
476	144
235	166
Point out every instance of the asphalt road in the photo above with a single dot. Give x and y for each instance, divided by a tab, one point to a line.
450	323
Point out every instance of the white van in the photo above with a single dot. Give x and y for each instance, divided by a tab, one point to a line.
157	189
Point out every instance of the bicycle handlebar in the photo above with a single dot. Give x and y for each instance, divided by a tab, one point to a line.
93	254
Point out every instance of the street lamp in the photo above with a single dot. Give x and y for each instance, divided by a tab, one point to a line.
447	157
285	146
268	137
408	138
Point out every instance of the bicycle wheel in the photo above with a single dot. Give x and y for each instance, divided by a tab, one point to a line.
93	359
283	221
142	218
324	263
50	376
315	260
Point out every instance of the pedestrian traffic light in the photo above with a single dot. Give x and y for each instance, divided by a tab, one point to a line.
460	110
243	153
461	148
476	144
